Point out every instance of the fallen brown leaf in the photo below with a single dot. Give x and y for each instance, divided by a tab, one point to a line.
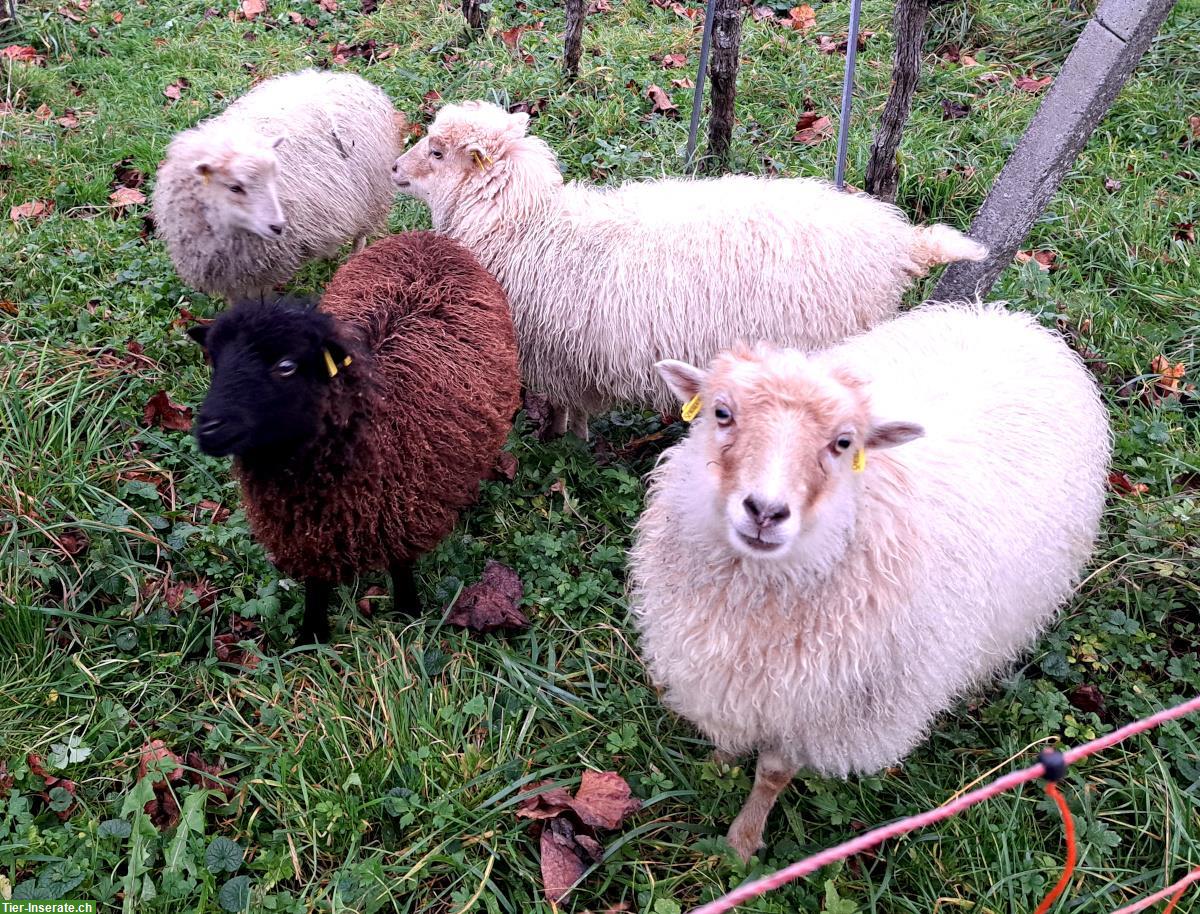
801	18
6	781
31	210
218	512
73	541
512	37
1046	260
604	799
506	466
330	6
662	102
432	97
1122	485
152	754
118	17
366	605
491	603
1170	376
598	6
252	8
22	53
672	61
43	112
125	197
812	128
175	89
968	61
839	44
1185	232
953	110
563	855
683	83
8	307
69	120
125	175
228	645
163	810
295	17
205	775
1087	697
1111	185
539	413
69	14
161	411
1031	85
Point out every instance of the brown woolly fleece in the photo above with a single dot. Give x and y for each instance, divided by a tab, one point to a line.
409	428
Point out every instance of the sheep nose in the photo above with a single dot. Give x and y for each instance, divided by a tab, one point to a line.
765	513
277	228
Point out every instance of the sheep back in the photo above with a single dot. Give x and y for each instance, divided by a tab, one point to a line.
334	180
416	421
964	544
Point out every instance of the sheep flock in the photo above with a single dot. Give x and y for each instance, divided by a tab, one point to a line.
843	542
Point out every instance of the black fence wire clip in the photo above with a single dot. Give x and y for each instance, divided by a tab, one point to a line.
1054	765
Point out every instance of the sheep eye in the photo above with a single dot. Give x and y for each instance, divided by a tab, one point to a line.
436	153
723	416
285	368
842	444
237	189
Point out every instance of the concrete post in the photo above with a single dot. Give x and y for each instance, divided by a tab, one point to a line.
1105	54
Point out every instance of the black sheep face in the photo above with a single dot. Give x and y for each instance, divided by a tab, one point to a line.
271	368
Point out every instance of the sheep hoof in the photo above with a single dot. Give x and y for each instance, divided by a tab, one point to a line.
744	839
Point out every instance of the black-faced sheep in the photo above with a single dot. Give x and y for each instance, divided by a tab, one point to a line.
604	282
289	172
816	581
362	428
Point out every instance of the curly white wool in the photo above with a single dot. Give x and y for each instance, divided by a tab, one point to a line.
604	282
309	152
938	563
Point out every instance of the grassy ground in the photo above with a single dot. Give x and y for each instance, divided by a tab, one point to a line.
383	774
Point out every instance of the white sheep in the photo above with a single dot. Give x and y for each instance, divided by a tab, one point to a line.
604	282
289	172
804	591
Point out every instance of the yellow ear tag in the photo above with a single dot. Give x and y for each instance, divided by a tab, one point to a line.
691	409
860	460
329	364
481	161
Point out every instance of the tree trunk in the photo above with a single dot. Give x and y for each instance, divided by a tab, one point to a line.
722	75
476	13
908	29
573	39
1107	50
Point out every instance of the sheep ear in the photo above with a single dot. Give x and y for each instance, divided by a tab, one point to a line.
518	125
204	168
478	154
883	435
199	333
684	380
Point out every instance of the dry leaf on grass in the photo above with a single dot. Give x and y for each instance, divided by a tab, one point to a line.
540	415
674	61
953	110
161	411
1122	485
175	89
69	120
22	53
158	760
73	541
568	842
506	466
1047	261
491	603
34	209
1031	85
1185	232
252	8
662	102
801	18
124	197
812	128
683	83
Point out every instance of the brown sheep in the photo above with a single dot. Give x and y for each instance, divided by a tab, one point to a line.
361	428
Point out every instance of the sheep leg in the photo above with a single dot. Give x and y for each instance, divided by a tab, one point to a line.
558	419
771	776
315	628
579	423
404	590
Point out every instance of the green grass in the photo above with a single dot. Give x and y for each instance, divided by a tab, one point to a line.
383	774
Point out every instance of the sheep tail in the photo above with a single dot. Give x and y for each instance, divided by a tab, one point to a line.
936	244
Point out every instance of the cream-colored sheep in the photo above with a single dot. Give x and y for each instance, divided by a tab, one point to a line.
846	541
604	282
289	172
